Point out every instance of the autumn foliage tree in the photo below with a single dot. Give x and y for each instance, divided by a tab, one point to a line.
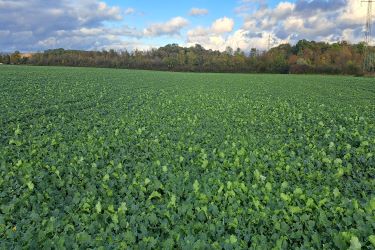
303	57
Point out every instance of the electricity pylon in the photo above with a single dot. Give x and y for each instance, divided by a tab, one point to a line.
269	41
369	56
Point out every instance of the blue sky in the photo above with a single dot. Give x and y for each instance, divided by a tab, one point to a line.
36	25
161	10
148	11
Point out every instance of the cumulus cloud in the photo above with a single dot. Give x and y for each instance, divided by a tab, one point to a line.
218	36
243	39
35	14
354	13
130	45
198	31
213	37
222	25
221	35
320	20
171	27
34	25
198	12
218	27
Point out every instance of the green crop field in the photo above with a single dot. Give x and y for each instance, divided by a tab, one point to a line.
141	159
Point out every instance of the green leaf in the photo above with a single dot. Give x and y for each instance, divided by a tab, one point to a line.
241	152
115	218
295	210
268	186
181	159
172	202
298	191
371	238
122	209
310	202
106	177
18	131
111	208
336	192
154	194
233	239
204	163
196	186
98	207
30	185
285	197
355	244
284	185
372	204
165	169
147	181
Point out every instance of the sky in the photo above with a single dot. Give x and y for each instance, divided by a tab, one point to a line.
37	25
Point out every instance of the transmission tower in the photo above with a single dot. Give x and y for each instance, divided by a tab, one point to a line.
269	40
369	56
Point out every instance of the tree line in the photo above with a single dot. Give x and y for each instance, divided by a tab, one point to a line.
303	57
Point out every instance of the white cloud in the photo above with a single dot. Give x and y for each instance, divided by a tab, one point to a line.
198	12
44	23
103	11
294	23
30	25
129	11
249	6
283	9
353	13
241	38
33	25
214	37
129	45
219	26
222	25
198	31
171	27
310	19
217	37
